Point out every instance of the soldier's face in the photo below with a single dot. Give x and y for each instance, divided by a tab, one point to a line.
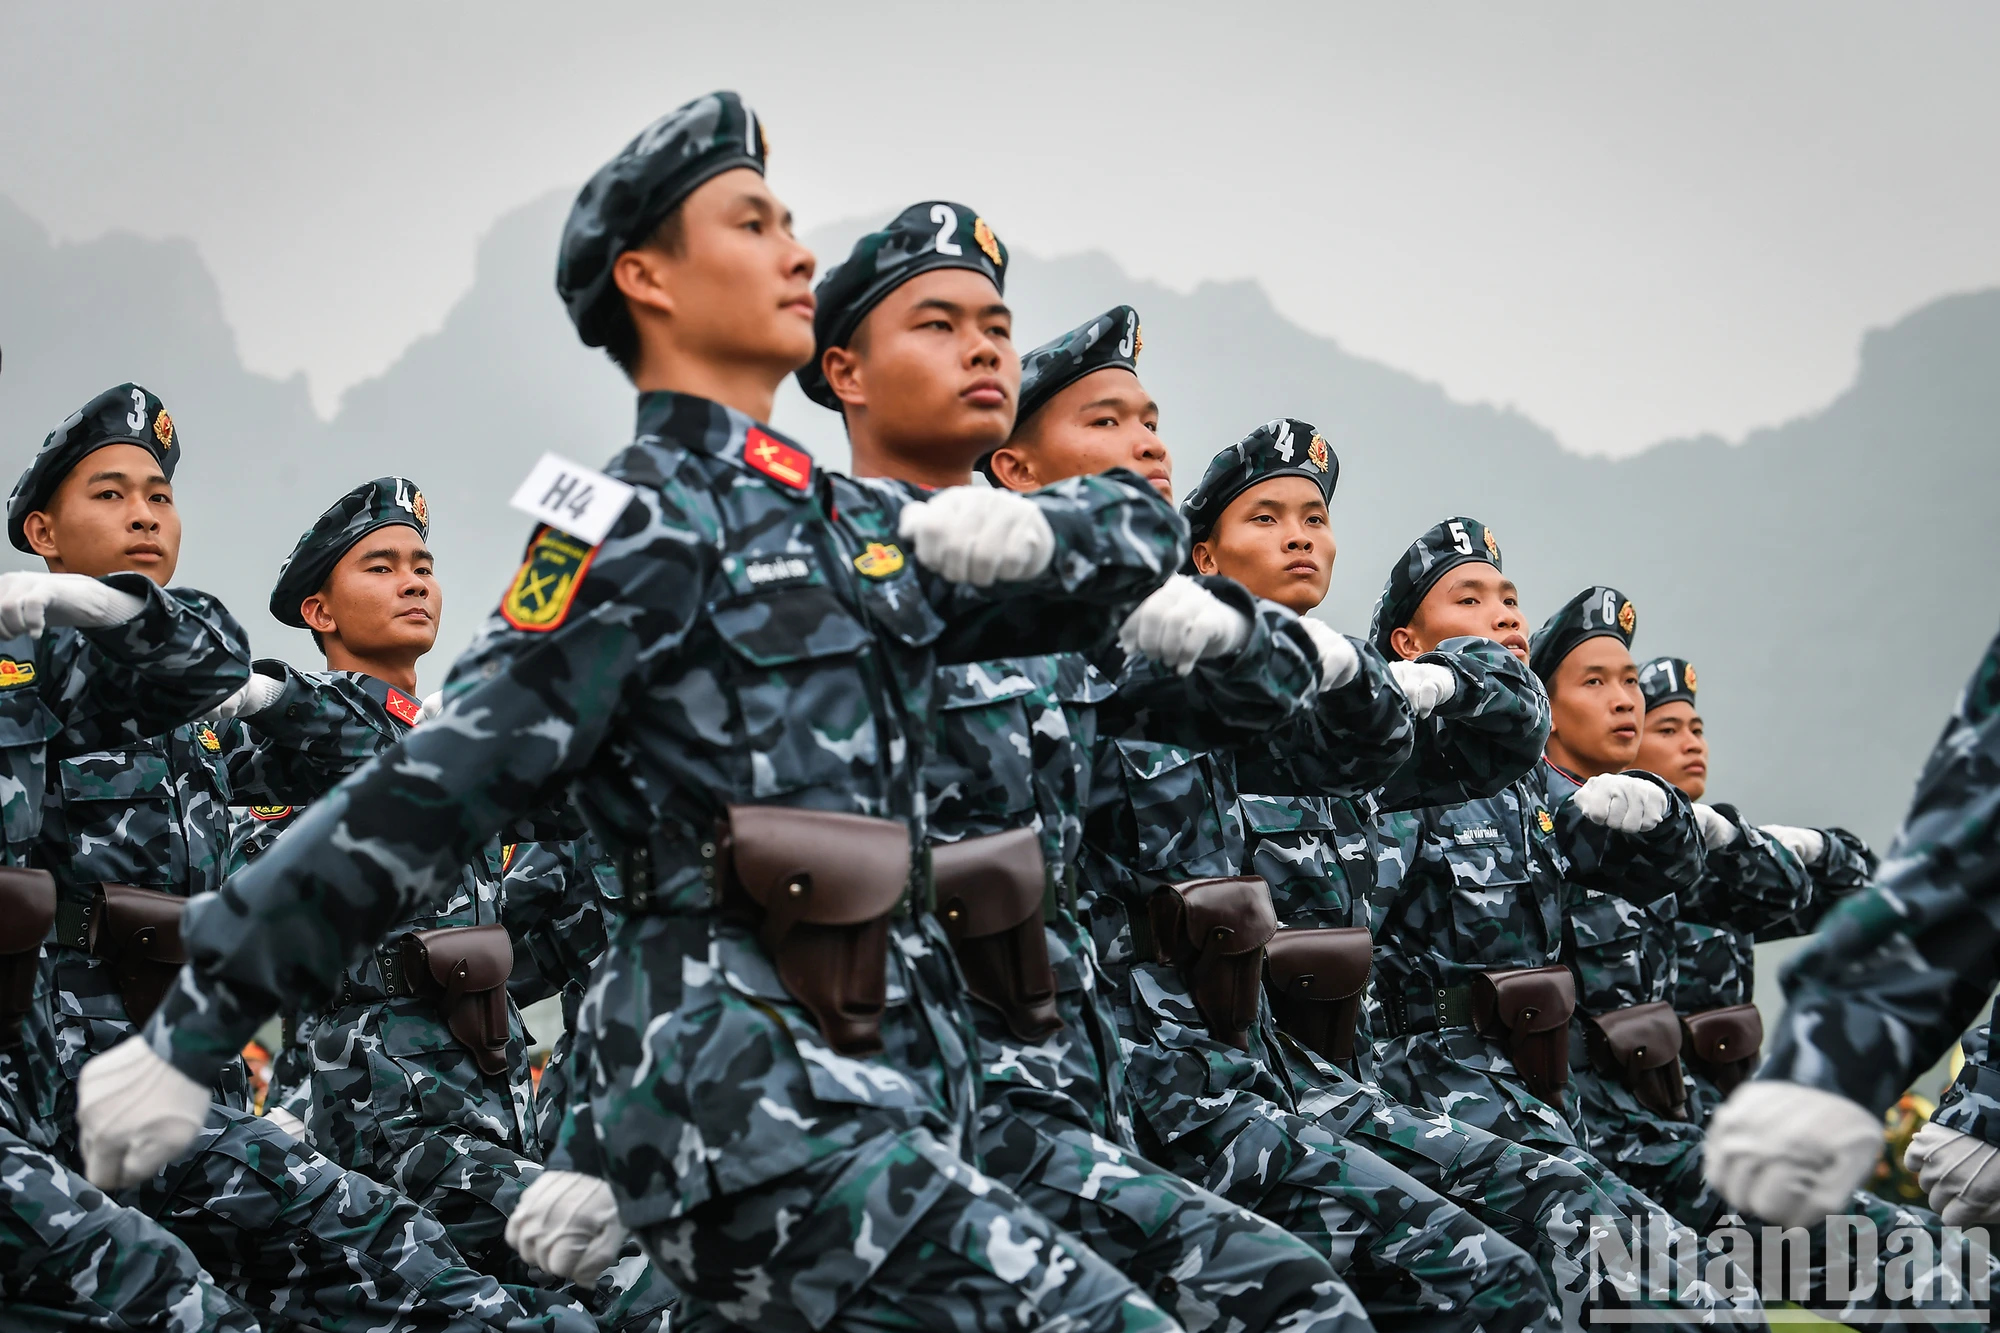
1275	540
1672	744
1472	600
739	289
1104	420
933	368
382	599
1597	708
114	513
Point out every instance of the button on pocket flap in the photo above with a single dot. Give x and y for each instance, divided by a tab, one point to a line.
1233	916
115	775
988	885
817	866
1722	1036
980	684
791	626
1327	964
1527	999
1645	1036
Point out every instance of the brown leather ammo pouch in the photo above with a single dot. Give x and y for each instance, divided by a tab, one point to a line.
1640	1046
1214	931
27	910
1528	1009
820	887
989	896
1724	1044
1316	979
138	932
465	968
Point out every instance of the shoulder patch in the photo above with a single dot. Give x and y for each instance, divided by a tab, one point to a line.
14	674
547	582
581	501
777	460
402	707
267	813
880	560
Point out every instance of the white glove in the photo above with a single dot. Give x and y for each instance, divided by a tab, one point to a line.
1808	844
1338	662
31	601
1627	804
135	1113
1961	1174
979	536
567	1224
1788	1153
1183	622
1424	684
257	694
433	705
288	1122
1716	830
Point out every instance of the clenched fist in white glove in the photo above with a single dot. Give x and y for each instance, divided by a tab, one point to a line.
1338	662
135	1113
1788	1153
31	601
980	537
257	694
288	1122
1424	684
567	1224
1961	1174
1716	830
1181	623
433	705
1627	804
1808	844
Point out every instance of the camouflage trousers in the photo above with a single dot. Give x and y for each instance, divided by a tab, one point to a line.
1664	1157
799	1253
71	1258
1461	1074
1225	1119
1206	1261
395	1097
296	1237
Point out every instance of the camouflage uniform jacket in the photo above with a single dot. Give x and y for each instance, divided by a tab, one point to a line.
1901	968
748	632
1164	810
1322	855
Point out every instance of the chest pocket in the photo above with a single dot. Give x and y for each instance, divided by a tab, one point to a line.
1171	792
1624	951
123	825
798	689
1312	864
24	737
980	774
1478	855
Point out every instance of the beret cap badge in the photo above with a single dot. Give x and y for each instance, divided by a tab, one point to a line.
1492	544
1688	676
163	429
1316	452
1627	617
988	242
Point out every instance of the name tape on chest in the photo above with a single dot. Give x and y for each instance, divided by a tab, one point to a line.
580	501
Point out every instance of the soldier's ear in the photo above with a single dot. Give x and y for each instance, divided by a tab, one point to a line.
642	277
1013	469
39	529
1204	559
842	368
1405	643
317	615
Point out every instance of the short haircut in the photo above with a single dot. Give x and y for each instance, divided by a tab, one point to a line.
621	342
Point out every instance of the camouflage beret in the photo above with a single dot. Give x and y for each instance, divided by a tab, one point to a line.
381	503
1454	542
1285	447
1667	680
932	235
632	194
127	414
1594	613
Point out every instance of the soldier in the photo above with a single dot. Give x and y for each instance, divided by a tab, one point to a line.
1209	1086
134	822
726	655
921	325
1482	718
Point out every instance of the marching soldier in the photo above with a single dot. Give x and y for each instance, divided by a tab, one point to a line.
726	654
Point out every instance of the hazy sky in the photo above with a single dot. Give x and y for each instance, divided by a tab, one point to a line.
1630	221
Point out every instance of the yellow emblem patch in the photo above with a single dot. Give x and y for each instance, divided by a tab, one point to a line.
13	673
879	561
1316	452
1627	617
421	509
1138	340
987	240
1542	819
1687	678
163	429
267	813
1492	544
541	593
209	741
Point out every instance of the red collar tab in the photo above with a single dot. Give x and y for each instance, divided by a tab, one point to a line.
777	460
402	707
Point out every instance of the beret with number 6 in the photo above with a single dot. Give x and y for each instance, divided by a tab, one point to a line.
1594	613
